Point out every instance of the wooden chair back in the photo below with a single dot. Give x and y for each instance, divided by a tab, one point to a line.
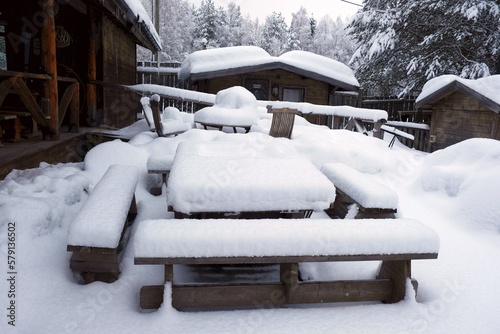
282	122
157	117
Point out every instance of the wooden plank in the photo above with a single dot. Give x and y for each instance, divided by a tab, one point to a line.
94	250
65	101
284	259
85	256
95	266
195	297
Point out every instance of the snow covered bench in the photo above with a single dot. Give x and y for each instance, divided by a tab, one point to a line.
372	198
396	134
286	242
98	234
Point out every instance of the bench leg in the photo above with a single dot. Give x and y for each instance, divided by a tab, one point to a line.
289	274
398	272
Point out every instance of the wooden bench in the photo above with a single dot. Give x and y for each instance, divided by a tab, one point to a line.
170	243
219	127
372	199
99	232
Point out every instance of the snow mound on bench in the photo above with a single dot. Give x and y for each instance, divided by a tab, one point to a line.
282	237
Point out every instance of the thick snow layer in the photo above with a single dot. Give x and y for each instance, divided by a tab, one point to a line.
142	16
234	106
235	177
228	58
283	237
183	94
453	191
361	187
319	64
100	222
222	59
341	111
487	86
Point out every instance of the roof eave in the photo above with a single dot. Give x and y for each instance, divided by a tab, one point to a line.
272	66
457	86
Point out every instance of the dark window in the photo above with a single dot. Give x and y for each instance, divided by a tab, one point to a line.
293	94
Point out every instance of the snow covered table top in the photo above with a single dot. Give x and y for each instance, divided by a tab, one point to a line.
241	177
282	237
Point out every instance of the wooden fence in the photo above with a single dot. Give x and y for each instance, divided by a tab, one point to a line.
398	109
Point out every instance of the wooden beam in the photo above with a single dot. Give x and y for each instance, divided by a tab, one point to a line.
29	101
49	65
282	259
5	88
186	297
91	97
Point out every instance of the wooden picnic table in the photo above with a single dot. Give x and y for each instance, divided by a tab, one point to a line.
242	179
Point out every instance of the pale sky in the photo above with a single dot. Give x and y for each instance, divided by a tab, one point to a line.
262	8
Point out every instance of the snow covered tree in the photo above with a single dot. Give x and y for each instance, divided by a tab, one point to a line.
300	30
234	24
275	35
176	29
399	47
251	31
208	21
331	40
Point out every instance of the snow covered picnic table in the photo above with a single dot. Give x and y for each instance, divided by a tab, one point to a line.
286	242
241	179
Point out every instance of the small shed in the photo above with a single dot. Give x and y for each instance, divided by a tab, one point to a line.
295	76
461	109
90	45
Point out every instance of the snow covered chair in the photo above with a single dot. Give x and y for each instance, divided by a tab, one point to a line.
170	123
234	107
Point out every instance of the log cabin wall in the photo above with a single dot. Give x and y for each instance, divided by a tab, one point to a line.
119	67
314	91
458	117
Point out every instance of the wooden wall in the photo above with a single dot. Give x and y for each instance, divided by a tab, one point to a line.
458	117
316	92
119	67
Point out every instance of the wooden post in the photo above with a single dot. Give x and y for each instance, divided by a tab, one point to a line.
92	70
49	65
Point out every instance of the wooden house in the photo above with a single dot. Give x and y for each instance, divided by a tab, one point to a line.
296	76
64	63
461	109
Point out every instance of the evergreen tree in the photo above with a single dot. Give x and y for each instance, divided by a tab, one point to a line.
402	44
234	23
300	30
331	40
275	35
207	23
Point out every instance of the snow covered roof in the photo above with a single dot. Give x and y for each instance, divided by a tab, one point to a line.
136	14
485	90
212	63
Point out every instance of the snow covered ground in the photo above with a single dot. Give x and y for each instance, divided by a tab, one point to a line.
455	191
